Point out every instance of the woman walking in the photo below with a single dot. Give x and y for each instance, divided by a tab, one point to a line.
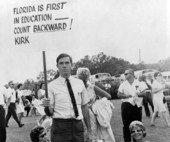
157	89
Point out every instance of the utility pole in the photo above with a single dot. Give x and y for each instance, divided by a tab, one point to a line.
139	56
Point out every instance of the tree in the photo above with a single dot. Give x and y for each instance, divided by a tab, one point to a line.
29	84
102	63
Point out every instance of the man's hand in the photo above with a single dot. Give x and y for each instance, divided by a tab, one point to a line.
48	110
46	102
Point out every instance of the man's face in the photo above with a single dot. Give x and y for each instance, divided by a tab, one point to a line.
64	66
21	87
11	85
128	74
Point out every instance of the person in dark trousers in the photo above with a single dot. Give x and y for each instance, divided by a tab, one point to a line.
2	114
131	91
67	104
147	99
12	108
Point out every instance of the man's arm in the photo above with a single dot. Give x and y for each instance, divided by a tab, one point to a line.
123	96
142	94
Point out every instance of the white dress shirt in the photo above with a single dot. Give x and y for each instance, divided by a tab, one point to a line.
60	97
132	89
11	94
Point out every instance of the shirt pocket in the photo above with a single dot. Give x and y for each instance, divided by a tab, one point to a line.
77	95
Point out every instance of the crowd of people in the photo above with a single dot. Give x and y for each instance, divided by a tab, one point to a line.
77	110
14	102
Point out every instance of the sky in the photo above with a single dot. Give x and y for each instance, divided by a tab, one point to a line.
118	28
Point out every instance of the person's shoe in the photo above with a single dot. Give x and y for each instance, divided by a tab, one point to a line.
21	125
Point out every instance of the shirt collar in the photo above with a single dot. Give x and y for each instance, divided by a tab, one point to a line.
134	82
63	80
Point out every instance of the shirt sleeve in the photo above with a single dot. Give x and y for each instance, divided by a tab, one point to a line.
51	96
7	93
121	90
143	86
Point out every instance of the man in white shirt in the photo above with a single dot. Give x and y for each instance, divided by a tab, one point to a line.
131	92
12	108
2	114
67	111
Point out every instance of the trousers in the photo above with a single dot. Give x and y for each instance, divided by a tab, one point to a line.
129	113
67	130
12	112
2	125
148	100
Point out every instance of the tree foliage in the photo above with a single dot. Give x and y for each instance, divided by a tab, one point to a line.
50	75
101	63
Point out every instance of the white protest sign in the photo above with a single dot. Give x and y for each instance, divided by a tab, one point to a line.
44	21
28	28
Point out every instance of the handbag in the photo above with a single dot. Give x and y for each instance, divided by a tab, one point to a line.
102	108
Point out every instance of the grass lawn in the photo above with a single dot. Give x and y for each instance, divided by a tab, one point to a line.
160	133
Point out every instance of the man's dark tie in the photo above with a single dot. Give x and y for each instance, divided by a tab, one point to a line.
72	97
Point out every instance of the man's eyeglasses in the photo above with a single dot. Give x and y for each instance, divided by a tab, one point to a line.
12	84
159	75
127	74
136	131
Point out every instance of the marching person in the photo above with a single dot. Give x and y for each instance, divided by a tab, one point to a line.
2	114
12	108
158	87
131	92
68	104
19	104
147	99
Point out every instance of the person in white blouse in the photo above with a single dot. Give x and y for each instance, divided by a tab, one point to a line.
41	91
12	107
158	87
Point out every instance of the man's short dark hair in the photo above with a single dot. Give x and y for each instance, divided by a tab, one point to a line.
35	133
41	85
10	82
131	71
62	55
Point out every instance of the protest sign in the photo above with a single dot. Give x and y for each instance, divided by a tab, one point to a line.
44	21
